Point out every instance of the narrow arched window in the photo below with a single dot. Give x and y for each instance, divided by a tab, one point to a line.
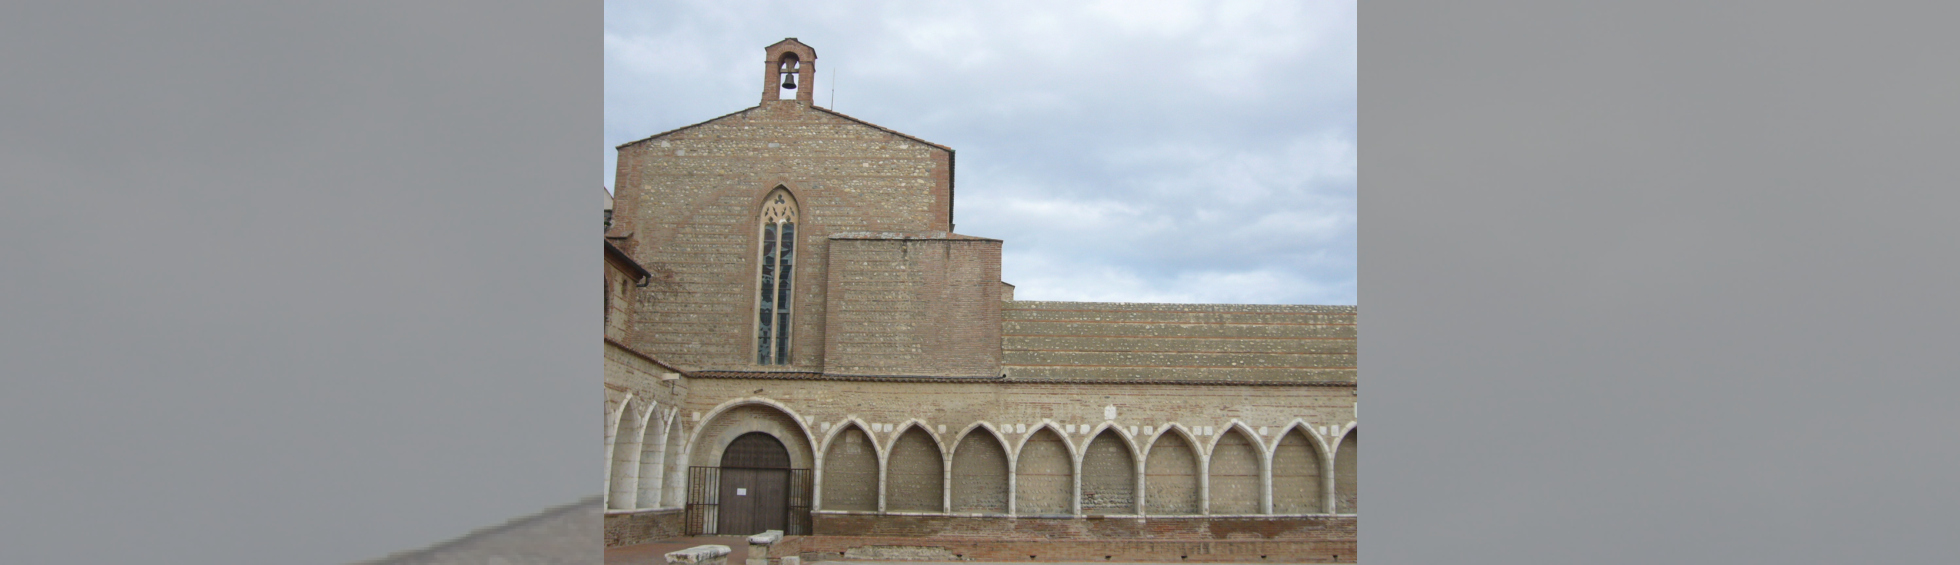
778	262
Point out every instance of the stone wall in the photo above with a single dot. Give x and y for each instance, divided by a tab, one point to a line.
913	304
851	465
1130	342
916	474
629	528
1059	449
980	477
1328	539
642	435
689	198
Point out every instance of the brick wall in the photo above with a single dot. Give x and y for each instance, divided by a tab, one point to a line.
1178	342
690	198
714	436
1234	475
1044	476
640	417
1171	477
980	475
1108	476
642	527
850	472
1345	492
1282	540
920	304
916	476
1296	476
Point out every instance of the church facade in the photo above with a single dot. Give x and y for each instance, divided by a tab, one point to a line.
797	340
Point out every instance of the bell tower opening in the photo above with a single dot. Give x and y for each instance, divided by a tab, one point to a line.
789	68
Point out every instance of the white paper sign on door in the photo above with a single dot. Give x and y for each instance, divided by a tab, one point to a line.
741	492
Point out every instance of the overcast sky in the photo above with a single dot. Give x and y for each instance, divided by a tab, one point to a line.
1125	151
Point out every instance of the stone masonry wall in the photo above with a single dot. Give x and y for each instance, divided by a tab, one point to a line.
987	432
690	198
642	409
1109	476
851	464
1296	480
916	474
1172	476
1073	341
1044	477
913	305
980	477
1234	475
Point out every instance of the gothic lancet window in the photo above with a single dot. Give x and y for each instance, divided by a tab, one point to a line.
778	263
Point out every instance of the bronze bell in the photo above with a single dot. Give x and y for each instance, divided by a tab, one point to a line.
789	81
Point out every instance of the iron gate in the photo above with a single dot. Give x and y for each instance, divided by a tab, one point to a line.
704	502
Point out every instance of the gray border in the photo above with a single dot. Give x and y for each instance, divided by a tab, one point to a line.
294	284
1659	282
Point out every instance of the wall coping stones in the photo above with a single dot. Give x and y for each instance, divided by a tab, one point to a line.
1170	307
930	235
766	538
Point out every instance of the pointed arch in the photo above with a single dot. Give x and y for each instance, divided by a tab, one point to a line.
1297	459
615	412
980	471
674	487
1109	472
1346	458
626	455
850	468
1233	475
849	421
915	470
1173	473
1044	473
775	298
653	456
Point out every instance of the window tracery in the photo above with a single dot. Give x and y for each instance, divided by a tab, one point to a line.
778	269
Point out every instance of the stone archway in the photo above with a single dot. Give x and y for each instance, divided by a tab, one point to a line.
749	445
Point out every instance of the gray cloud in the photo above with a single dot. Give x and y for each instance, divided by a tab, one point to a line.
1151	152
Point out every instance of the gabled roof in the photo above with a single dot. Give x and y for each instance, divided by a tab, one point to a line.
813	107
792	41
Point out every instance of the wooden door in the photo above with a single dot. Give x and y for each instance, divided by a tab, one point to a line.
753	501
754	493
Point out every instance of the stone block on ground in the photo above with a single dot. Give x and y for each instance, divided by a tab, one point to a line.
700	555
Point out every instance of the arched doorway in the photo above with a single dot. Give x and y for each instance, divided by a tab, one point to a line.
756	442
754	485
